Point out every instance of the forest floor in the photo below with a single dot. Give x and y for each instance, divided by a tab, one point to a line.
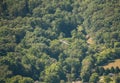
115	63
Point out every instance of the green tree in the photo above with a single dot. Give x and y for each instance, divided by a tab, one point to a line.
112	70
107	71
19	79
107	79
117	79
52	78
86	68
53	73
94	78
117	70
4	73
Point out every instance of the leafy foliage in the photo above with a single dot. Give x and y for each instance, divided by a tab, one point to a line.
58	41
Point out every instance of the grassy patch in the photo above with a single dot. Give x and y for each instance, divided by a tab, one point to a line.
115	63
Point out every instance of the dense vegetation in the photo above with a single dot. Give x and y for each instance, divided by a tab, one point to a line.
59	41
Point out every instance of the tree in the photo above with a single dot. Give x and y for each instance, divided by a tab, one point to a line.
53	73
117	70
94	78
112	70
4	73
33	4
117	79
19	79
71	68
107	79
107	71
86	68
52	78
100	70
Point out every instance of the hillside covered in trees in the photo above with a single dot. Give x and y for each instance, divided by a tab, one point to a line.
59	41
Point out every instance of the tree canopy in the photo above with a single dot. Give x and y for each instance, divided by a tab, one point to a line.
58	40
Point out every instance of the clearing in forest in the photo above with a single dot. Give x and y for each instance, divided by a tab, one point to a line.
115	63
90	41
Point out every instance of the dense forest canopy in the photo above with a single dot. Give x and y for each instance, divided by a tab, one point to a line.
59	41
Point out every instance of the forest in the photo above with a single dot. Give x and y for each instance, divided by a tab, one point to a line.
59	41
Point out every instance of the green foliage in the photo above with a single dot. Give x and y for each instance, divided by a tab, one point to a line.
107	79
87	64
18	9
94	78
117	79
49	41
19	79
105	55
4	73
53	73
